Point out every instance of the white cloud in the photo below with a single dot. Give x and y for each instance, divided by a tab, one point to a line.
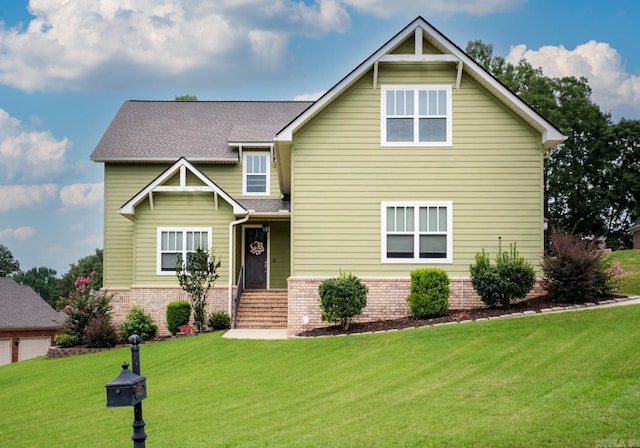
27	155
81	195
75	44
309	96
19	196
613	87
21	233
386	8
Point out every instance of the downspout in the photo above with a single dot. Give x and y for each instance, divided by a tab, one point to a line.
231	259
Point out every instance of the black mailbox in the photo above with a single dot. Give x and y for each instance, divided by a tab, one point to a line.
128	389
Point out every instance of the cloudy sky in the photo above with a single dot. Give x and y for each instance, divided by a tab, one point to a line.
67	66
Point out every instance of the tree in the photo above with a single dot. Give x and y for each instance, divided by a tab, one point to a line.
196	276
575	195
42	280
8	265
186	98
83	268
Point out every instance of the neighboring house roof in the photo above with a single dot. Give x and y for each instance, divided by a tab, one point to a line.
201	131
551	136
21	307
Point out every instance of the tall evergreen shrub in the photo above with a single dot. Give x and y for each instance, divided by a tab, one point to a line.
429	293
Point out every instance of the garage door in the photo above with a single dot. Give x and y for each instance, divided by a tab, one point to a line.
5	351
32	347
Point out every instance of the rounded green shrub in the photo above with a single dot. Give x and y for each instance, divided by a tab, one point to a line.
429	295
342	298
177	315
138	323
66	340
219	320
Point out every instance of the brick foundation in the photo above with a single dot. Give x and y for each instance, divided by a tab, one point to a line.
386	300
154	301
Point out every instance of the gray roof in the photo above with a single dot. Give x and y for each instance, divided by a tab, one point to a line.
200	131
22	307
265	205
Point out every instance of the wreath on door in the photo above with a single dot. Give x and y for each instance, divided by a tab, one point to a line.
256	248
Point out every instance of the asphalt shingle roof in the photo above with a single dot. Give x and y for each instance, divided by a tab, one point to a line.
200	131
22	307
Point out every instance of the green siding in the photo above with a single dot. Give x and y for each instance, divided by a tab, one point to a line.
128	243
341	174
279	255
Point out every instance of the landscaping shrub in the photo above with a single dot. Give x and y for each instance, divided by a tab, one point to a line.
138	323
219	320
66	340
342	298
511	278
100	332
575	271
81	307
429	293
177	314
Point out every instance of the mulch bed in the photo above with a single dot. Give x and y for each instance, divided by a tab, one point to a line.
534	304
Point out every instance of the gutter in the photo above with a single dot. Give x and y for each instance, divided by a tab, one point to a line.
231	226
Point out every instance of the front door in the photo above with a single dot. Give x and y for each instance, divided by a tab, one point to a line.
255	258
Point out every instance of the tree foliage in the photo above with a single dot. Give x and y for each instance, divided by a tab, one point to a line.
196	276
83	268
186	98
8	264
42	280
582	190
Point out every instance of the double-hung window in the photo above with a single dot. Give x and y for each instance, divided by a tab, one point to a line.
416	115
417	232
176	243
255	176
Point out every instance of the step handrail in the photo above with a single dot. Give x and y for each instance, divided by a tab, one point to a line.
239	290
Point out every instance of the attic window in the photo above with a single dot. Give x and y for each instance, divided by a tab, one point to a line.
416	116
255	173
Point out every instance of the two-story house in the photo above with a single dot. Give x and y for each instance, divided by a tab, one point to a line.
416	158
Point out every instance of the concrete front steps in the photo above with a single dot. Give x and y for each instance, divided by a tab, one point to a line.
263	308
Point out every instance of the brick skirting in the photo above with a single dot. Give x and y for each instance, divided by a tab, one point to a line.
387	299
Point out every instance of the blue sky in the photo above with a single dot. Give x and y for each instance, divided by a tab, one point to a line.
67	66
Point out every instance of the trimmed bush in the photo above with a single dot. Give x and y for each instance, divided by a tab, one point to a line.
177	314
100	332
429	293
342	298
576	271
66	340
510	279
138	323
219	320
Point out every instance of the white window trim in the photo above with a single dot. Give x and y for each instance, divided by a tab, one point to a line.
244	173
415	88
416	242
184	230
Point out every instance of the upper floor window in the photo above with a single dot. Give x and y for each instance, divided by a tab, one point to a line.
255	173
416	116
175	243
417	232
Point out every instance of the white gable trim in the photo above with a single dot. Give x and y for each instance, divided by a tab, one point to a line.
157	186
550	135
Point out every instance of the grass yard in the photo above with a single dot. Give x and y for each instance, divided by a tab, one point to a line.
630	262
567	379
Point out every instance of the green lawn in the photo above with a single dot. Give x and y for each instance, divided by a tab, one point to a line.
630	262
567	379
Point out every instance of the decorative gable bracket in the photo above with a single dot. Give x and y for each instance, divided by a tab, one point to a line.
418	56
158	186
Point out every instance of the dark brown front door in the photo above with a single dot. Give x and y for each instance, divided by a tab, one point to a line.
255	256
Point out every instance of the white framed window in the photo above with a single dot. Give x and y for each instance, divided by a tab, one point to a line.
255	173
416	115
175	242
417	232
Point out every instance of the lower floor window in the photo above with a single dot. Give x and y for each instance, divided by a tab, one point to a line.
176	243
417	232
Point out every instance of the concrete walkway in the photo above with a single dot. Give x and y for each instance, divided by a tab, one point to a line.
281	333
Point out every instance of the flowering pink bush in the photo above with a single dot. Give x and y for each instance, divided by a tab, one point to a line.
83	305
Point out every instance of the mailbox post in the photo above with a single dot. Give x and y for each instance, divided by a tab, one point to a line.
129	389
